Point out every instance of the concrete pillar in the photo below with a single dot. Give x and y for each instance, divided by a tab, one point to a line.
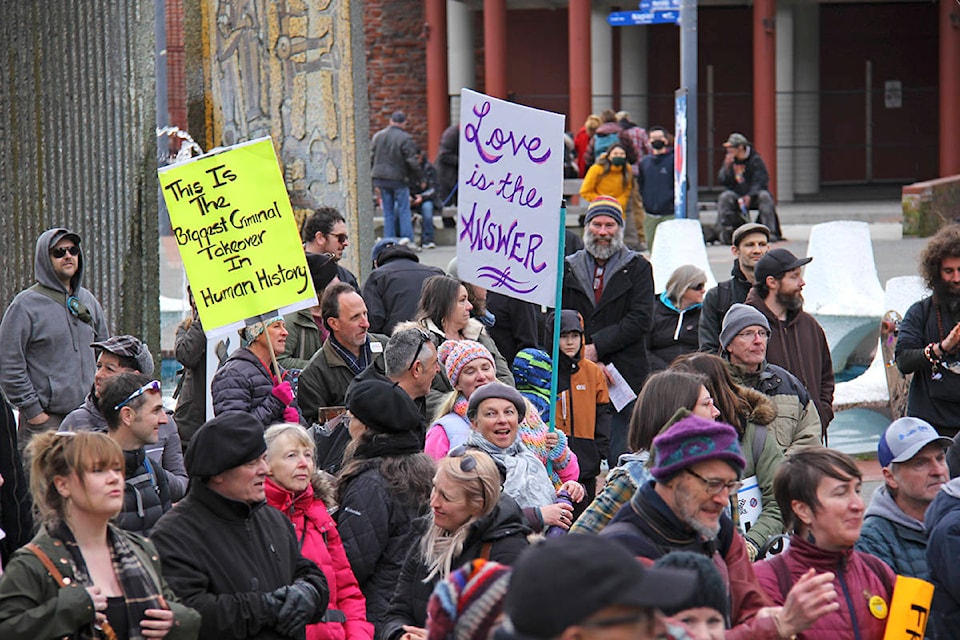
461	71
578	28
806	102
495	47
785	130
765	85
601	57
438	114
633	74
949	88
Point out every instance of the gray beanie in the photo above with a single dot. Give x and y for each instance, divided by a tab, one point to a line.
738	318
496	390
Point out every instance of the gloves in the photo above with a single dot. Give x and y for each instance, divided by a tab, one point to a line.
272	603
291	415
298	608
283	392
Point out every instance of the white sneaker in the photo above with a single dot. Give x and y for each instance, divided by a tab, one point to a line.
430	245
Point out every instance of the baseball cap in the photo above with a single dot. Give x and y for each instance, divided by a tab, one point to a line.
563	581
735	140
750	227
398	116
128	347
776	263
904	438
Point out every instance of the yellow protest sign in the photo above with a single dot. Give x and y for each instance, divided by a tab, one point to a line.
237	236
909	609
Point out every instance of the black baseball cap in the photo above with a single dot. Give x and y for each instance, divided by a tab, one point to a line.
776	263
563	581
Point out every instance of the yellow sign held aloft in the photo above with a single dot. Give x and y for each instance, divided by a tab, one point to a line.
237	236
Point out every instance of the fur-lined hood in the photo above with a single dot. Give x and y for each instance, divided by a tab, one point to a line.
763	410
325	488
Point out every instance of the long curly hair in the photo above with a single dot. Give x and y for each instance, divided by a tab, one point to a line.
944	244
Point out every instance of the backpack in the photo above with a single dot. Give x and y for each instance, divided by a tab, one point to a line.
602	142
331	439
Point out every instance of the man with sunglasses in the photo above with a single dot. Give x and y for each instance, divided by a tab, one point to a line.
46	361
696	470
133	410
325	232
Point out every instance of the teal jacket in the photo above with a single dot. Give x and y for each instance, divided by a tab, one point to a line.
33	605
894	537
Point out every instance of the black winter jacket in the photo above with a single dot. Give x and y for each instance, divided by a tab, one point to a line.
619	324
716	304
146	494
503	529
377	529
392	290
220	556
674	332
243	384
191	351
755	177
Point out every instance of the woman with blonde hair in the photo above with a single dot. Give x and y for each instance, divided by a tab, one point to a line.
294	488
470	517
81	576
676	316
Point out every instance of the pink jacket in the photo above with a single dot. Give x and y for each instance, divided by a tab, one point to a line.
320	542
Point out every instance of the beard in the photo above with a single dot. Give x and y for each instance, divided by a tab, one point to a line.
688	509
944	293
790	302
603	251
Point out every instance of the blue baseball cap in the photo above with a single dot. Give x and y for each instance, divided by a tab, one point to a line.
904	438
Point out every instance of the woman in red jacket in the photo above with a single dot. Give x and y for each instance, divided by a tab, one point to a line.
290	451
818	491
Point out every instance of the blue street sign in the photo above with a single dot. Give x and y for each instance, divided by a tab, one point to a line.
628	18
659	5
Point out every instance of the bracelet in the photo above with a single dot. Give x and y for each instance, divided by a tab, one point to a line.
928	353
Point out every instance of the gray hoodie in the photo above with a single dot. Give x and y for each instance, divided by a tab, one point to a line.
46	362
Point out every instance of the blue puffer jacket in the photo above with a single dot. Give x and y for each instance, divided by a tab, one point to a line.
894	537
943	548
243	384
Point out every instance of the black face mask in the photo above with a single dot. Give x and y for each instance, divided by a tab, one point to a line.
658	144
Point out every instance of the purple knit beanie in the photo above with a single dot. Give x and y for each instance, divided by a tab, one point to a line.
692	440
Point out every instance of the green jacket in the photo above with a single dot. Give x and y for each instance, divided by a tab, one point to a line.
324	381
33	605
303	340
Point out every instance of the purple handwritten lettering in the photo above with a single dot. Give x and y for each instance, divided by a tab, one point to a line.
503	280
517	246
498	140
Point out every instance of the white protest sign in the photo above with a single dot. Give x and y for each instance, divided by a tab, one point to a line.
511	187
749	502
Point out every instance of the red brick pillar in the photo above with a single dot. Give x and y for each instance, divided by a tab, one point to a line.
438	108
765	85
578	29
495	47
949	88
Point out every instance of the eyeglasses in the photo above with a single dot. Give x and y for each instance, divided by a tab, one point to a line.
752	334
153	385
341	237
714	486
59	252
424	339
699	287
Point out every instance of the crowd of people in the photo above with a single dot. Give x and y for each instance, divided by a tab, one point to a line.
405	477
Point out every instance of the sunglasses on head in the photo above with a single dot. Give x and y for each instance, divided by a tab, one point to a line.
59	252
153	385
467	463
424	339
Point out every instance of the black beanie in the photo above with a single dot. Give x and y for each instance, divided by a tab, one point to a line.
383	406
711	591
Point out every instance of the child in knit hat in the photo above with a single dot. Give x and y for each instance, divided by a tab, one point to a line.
705	612
583	404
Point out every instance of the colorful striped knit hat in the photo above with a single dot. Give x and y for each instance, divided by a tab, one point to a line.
455	354
604	206
531	372
467	605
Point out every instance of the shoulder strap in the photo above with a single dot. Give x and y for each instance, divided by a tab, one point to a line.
759	441
784	581
46	561
73	304
877	566
485	550
724	297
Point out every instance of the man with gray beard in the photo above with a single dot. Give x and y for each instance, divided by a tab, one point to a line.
612	289
797	342
696	470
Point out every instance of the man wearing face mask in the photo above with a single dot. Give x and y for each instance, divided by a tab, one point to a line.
655	182
745	177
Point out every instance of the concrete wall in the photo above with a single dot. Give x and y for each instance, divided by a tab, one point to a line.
78	148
